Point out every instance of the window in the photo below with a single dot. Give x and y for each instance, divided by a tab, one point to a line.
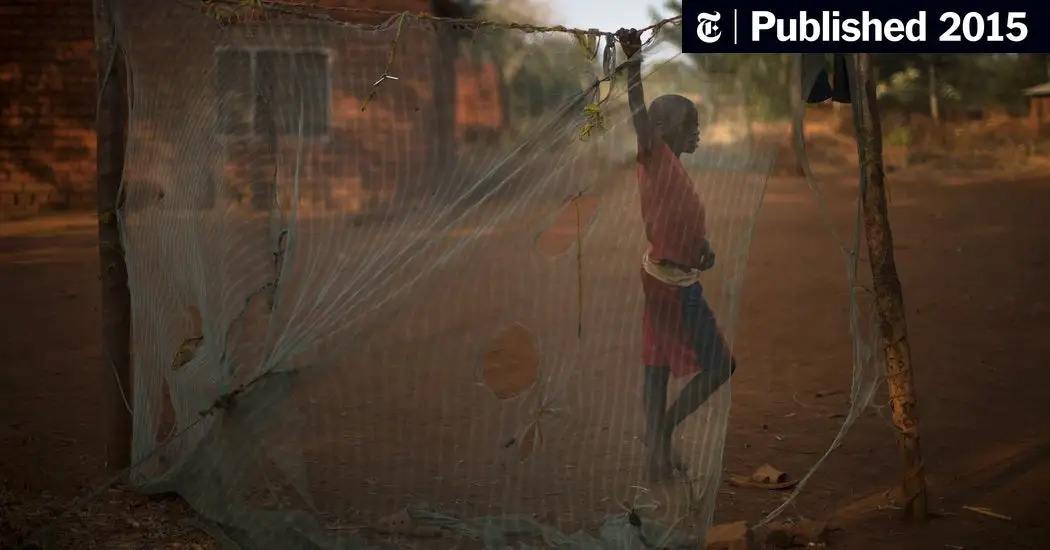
264	92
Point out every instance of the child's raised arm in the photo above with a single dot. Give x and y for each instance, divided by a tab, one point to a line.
631	42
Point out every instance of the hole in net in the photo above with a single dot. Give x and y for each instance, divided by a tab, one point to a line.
192	337
166	424
511	364
196	324
531	441
572	220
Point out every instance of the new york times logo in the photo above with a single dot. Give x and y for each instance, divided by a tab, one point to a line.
707	30
711	27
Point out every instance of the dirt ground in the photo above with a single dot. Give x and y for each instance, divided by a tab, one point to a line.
972	253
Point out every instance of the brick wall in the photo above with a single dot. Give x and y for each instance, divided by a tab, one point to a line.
368	158
47	104
48	99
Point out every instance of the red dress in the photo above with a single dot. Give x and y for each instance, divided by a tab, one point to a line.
675	227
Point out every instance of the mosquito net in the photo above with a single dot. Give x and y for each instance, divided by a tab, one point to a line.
396	263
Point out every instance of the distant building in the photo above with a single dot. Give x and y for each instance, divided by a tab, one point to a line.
1039	107
47	103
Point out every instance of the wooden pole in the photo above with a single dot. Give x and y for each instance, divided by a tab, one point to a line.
889	299
110	128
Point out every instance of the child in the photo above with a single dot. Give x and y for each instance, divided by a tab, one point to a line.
680	335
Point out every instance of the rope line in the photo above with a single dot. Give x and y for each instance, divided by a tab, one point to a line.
310	11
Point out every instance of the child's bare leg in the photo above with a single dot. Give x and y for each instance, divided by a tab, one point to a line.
712	352
657	436
698	390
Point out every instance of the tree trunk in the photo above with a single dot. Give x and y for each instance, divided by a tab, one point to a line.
1041	63
514	63
506	121
889	300
110	127
935	107
503	89
793	66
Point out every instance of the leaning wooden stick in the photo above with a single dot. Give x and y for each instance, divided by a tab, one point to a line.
116	301
889	299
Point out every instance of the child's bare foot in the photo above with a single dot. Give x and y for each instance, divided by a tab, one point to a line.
678	462
664	459
659	468
662	466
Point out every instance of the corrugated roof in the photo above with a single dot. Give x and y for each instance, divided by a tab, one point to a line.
1042	89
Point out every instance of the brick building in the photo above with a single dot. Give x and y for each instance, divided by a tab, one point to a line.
47	102
47	145
1039	108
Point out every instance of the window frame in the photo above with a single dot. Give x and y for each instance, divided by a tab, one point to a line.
253	52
